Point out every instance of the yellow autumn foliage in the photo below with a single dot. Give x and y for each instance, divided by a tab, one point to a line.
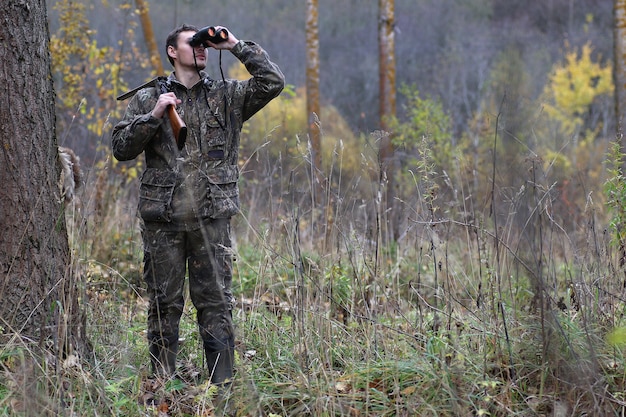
573	86
87	76
281	128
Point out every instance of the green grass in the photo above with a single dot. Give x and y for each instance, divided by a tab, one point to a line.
338	321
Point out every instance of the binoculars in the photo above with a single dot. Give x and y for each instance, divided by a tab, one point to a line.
209	33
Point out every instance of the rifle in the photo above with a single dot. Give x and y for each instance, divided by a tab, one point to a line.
178	125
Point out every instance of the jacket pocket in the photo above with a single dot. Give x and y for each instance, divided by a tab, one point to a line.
215	135
155	195
223	192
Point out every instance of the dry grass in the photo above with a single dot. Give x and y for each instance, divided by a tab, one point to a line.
458	316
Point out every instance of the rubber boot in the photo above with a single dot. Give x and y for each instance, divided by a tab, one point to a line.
220	355
163	356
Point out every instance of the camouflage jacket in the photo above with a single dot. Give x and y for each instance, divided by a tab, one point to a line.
200	181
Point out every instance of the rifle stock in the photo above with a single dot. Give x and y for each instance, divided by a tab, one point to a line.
178	125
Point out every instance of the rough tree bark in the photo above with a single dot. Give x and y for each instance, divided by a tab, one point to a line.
619	80
39	298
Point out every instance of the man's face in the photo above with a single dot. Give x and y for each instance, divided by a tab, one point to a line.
185	54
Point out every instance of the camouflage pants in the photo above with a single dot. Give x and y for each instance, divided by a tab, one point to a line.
207	256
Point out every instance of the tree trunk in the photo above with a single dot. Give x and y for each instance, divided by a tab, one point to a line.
387	80
387	69
313	84
619	69
619	80
320	196
39	299
148	34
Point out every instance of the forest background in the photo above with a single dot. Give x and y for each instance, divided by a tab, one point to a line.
500	290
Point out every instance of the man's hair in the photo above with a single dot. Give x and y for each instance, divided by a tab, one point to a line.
172	38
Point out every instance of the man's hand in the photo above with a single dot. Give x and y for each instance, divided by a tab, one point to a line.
228	44
164	100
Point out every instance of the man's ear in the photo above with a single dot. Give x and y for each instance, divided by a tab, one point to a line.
171	52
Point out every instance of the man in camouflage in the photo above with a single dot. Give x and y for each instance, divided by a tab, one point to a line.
187	196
